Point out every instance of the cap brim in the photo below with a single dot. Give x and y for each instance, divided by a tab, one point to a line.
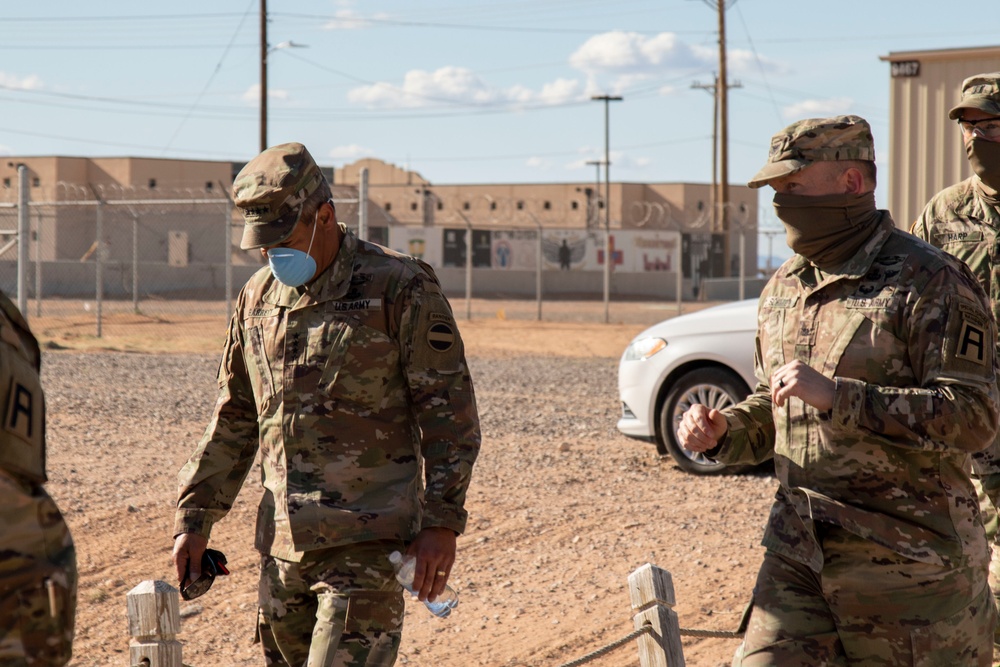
264	234
986	105
773	170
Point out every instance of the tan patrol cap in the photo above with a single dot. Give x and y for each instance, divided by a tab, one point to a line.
815	140
270	190
982	92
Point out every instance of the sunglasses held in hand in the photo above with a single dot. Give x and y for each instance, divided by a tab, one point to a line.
213	564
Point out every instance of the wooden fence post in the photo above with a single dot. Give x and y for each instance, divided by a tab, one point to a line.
153	623
652	593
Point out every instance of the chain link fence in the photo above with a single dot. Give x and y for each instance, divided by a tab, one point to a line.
111	261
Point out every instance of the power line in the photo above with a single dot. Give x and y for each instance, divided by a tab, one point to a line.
760	65
208	83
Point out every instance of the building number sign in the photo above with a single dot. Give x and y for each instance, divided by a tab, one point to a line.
906	68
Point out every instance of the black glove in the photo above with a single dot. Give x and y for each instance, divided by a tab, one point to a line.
213	563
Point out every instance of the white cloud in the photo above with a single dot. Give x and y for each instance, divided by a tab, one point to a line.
252	94
30	82
457	86
818	108
6	150
350	153
618	60
559	91
629	52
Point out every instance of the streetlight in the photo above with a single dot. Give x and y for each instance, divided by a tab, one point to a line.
264	50
607	99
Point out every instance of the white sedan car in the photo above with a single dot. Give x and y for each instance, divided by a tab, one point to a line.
705	357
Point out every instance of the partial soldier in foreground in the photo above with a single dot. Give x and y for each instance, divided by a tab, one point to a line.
38	576
876	368
344	366
964	220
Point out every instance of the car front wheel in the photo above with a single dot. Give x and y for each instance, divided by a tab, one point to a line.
715	387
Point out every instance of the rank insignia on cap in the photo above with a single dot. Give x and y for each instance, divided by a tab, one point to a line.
441	336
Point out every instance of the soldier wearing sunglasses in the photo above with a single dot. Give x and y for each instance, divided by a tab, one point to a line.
964	220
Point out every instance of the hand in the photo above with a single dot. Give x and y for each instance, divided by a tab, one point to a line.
701	428
799	380
188	548
434	549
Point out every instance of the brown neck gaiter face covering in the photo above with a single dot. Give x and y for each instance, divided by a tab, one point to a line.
827	230
984	156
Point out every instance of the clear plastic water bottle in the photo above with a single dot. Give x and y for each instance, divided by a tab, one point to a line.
404	567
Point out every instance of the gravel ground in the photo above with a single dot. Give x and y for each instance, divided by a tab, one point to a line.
562	509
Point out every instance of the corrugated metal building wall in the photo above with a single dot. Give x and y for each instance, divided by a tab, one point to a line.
926	152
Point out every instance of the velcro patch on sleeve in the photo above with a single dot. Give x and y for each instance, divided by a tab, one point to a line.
436	342
969	344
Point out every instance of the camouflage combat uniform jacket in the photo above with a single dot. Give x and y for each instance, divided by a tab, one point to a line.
349	387
964	221
904	332
38	576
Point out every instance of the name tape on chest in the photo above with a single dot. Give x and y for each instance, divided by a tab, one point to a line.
961	236
357	304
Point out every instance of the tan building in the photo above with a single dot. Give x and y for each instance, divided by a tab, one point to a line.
175	214
407	198
926	153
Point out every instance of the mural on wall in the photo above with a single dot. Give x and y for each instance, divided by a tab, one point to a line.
420	242
454	248
565	250
515	250
655	251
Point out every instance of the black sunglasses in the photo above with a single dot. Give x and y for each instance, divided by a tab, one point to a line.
213	564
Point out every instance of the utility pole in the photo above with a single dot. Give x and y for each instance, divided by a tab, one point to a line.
607	99
713	88
595	206
722	89
263	75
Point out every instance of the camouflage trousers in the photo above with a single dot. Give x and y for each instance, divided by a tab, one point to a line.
38	579
988	490
339	607
869	606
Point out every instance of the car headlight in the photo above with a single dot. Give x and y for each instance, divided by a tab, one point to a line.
644	348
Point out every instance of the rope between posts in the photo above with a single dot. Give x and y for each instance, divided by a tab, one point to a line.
717	634
646	629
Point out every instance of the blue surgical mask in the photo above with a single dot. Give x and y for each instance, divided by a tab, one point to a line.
293	267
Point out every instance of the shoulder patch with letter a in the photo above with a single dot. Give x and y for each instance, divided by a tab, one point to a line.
972	341
968	347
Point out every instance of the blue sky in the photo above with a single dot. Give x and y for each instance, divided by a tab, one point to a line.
462	91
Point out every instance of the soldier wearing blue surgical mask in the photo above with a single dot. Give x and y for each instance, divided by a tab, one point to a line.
344	368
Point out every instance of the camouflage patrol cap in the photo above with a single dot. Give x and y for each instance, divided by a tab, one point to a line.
270	190
982	92
815	140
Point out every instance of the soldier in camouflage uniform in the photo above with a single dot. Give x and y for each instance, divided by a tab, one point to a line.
964	219
344	367
38	575
876	381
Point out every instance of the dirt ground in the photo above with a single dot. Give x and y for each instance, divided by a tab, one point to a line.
562	507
